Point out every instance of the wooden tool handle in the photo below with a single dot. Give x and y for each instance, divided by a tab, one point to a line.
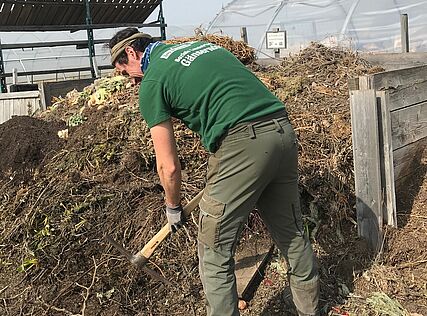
191	206
152	245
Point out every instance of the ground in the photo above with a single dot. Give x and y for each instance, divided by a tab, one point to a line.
400	271
101	179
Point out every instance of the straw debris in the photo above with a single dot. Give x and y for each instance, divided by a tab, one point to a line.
240	49
103	180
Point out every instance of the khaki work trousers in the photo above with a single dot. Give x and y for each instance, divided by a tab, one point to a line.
256	165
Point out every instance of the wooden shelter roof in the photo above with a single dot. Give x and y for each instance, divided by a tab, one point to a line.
59	15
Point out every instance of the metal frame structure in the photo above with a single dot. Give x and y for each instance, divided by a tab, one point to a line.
2	71
91	45
66	15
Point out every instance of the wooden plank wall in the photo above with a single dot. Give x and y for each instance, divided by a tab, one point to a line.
401	114
18	103
392	61
406	105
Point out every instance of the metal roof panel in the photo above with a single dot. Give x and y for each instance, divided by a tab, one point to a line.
16	15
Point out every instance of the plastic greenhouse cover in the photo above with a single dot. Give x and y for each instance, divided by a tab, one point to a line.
362	25
36	59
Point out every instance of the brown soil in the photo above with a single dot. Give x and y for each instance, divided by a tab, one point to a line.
24	143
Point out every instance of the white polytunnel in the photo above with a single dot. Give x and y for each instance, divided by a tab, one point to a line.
36	59
362	25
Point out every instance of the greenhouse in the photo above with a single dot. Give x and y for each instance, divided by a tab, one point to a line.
361	25
60	57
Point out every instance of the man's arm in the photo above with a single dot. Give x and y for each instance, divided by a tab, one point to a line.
168	165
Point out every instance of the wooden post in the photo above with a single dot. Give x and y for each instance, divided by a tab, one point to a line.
3	87
244	34
14	76
42	95
365	136
404	33
386	154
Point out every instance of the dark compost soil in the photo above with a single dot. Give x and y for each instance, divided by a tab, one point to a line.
24	143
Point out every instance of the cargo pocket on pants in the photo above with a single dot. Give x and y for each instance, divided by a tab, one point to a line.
211	211
296	212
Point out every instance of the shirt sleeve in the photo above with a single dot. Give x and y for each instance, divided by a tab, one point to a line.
153	105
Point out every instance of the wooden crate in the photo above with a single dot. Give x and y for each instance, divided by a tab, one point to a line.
389	130
52	89
18	103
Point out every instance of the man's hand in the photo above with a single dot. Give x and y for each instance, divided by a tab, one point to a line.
174	215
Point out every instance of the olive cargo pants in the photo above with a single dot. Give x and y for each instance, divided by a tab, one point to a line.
256	165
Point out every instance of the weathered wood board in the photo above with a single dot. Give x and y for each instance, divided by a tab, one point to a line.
393	61
368	189
398	78
61	88
386	160
409	125
408	95
251	257
18	103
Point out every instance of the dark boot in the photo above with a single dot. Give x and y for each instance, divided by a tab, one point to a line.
306	298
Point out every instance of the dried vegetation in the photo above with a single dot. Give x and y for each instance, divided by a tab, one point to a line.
54	259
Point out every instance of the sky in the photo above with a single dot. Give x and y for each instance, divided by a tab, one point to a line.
190	12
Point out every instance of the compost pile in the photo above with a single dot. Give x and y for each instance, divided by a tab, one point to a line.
313	85
240	49
102	181
24	143
54	257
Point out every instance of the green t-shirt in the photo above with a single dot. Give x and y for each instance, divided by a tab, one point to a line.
206	87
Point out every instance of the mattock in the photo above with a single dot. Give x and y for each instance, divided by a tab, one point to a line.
141	258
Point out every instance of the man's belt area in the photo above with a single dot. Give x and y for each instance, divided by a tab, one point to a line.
281	114
276	115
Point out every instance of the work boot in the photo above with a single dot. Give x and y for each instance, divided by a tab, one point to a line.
306	298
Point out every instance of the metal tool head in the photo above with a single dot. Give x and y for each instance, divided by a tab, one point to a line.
119	247
137	260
